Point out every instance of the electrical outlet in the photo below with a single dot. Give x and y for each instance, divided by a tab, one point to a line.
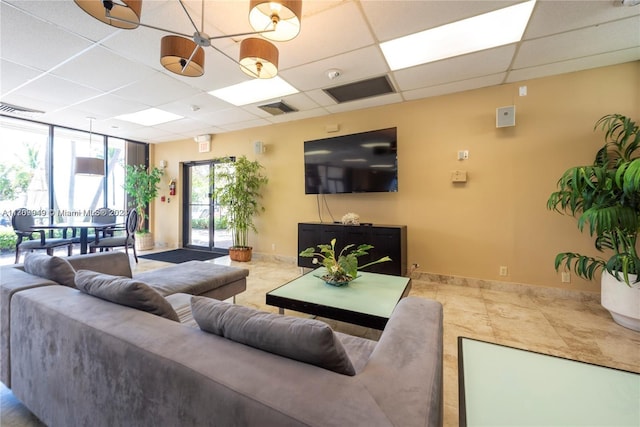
504	271
566	277
415	265
273	247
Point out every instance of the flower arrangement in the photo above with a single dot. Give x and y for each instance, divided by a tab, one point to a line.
344	268
351	219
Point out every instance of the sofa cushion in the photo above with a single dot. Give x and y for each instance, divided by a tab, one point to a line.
50	267
306	340
124	291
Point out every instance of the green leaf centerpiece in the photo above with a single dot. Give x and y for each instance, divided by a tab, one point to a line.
341	269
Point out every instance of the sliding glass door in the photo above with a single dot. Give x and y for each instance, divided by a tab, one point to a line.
204	225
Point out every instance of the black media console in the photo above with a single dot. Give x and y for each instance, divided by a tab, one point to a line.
388	240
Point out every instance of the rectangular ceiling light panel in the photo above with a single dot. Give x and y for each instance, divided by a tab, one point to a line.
486	31
253	91
149	117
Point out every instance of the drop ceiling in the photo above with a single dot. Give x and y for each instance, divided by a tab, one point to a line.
57	59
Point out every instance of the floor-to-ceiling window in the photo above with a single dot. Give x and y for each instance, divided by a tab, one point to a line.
24	168
37	171
74	193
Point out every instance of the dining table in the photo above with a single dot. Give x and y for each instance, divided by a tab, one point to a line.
82	226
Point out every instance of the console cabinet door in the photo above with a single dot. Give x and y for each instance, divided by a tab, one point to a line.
386	241
309	235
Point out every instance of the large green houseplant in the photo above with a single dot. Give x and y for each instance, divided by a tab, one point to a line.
238	192
141	185
605	197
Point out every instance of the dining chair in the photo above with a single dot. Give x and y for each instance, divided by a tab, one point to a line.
127	240
23	222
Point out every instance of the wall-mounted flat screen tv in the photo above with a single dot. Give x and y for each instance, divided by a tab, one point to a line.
357	163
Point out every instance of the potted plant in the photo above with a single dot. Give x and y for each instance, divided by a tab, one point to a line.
239	193
605	197
344	268
141	185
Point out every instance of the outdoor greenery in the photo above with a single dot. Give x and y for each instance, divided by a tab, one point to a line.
344	267
203	223
605	196
16	178
141	185
8	240
238	192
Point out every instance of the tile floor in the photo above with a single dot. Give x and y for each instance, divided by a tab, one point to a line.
565	325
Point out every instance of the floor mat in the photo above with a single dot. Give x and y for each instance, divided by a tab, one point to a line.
178	256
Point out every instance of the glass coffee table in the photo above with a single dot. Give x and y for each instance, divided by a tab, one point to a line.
366	301
505	386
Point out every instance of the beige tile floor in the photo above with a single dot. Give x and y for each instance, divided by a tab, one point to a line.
565	325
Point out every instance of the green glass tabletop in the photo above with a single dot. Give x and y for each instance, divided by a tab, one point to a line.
371	293
505	386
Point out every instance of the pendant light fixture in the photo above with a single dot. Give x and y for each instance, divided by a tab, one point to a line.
258	58
183	54
89	165
282	15
126	15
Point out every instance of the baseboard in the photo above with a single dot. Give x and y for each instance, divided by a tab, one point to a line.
495	285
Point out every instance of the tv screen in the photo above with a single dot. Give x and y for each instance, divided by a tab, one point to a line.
357	163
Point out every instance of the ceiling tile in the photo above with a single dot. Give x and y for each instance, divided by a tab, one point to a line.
561	16
604	59
459	86
114	71
14	75
392	19
354	66
464	67
342	29
57	91
603	38
50	47
157	89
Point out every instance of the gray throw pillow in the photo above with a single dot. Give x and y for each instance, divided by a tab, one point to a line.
50	267
305	340
124	291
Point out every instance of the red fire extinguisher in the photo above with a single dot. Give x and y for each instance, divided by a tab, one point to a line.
172	187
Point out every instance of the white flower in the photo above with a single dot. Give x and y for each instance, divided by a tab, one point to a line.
351	219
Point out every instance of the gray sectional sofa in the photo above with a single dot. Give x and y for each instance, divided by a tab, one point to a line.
77	360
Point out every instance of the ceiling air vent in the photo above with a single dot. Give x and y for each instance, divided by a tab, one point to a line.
14	109
360	90
277	108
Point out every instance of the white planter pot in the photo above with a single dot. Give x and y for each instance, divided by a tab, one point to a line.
622	301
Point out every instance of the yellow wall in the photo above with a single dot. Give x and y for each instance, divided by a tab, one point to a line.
498	218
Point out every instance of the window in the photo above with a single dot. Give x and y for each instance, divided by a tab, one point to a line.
24	178
37	171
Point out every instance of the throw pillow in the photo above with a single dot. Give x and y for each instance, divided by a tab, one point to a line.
305	340
50	267
124	291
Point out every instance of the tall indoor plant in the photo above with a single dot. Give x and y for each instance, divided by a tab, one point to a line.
141	185
605	196
238	191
